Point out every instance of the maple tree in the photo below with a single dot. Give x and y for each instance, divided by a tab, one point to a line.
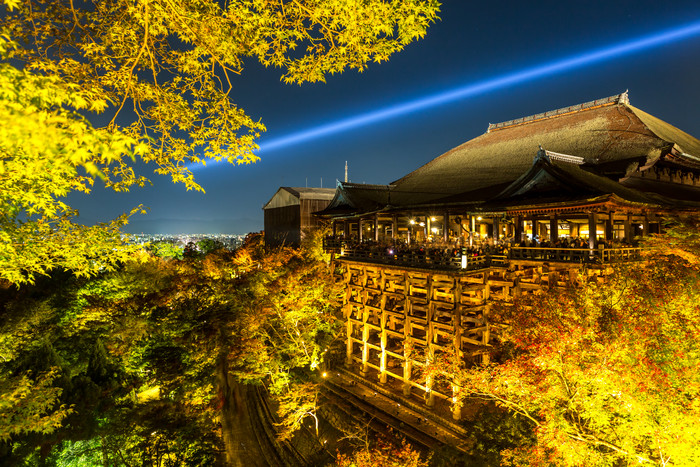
157	73
384	452
605	373
176	350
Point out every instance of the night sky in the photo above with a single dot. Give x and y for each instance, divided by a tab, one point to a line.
474	42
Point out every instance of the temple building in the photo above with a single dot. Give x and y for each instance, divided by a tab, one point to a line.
289	213
603	170
536	203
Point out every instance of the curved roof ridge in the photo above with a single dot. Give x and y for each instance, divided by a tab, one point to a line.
622	98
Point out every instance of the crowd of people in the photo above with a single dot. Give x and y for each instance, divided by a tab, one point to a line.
574	242
435	253
440	253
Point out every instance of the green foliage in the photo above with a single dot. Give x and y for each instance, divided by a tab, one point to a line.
48	151
159	71
606	373
30	405
209	245
495	430
164	249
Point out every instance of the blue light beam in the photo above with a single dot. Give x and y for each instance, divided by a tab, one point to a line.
483	87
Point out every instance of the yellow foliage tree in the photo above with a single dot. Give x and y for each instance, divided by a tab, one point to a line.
159	70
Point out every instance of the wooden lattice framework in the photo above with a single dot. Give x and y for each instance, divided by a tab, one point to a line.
391	313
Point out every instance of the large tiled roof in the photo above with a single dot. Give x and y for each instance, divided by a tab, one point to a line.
611	138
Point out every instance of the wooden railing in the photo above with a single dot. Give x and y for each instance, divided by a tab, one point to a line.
575	255
426	259
330	243
441	259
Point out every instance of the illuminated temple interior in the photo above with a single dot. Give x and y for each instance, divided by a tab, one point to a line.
536	203
602	166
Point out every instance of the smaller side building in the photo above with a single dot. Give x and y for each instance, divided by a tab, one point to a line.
289	213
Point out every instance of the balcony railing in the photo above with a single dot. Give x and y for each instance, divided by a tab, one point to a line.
575	255
464	259
434	259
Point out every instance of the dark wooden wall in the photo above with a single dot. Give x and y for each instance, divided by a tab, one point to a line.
283	226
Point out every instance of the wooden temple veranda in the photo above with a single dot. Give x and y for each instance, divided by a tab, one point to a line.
536	203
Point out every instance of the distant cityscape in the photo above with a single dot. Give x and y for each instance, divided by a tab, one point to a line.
229	241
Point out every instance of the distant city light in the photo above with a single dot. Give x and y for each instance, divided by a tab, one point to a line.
481	87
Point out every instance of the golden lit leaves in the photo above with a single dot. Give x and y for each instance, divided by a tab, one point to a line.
165	66
160	71
311	38
30	405
607	371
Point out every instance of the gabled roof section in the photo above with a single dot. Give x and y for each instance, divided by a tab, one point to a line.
353	198
560	179
611	137
291	196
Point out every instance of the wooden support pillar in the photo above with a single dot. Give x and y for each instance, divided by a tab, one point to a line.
518	229
472	228
429	339
349	346
517	289
486	335
553	279
628	228
335	225
347	313
365	330
645	225
553	228
496	229
394	226
446	226
346	229
383	342
591	230
359	228
376	228
407	357
457	342
609	222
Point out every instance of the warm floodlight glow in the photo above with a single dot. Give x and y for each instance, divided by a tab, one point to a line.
485	86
